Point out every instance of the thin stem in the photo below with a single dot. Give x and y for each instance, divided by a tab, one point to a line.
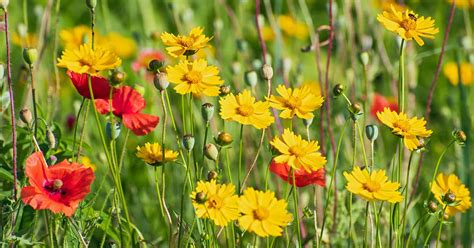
158	193
83	131
405	208
366	230
413	228
33	98
75	127
295	202
241	144
377	234
401	77
439	162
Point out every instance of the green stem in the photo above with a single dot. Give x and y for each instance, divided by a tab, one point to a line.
413	228
440	226
33	98
241	144
439	162
366	224
295	202
377	234
405	208
401	77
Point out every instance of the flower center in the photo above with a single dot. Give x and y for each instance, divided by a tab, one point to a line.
371	186
215	202
292	103
193	77
408	24
185	42
296	151
404	126
245	110
54	186
260	214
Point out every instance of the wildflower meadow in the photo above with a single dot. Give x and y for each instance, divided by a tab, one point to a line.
236	123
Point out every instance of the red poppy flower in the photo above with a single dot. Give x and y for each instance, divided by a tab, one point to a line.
127	104
379	102
58	188
145	57
100	85
302	177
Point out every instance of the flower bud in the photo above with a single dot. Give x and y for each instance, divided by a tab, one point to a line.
211	152
372	132
26	116
4	4
364	58
224	138
459	136
356	111
160	80
224	90
117	78
53	159
91	4
251	78
267	71
50	138
307	122
207	110
338	89
155	65
432	206
212	175
112	133
188	142
155	36
449	197
200	197
445	217
2	71
30	55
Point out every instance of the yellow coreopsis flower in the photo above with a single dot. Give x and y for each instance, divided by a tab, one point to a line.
297	152
152	154
178	45
74	37
463	3
216	202
409	129
86	60
292	27
29	40
86	161
451	183
299	101
245	110
195	77
408	25
263	213
123	46
372	186
450	70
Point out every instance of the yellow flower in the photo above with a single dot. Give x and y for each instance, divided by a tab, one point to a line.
245	110
195	77
314	87
293	27
122	46
299	101
74	37
450	70
263	213
85	60
30	40
387	5
178	45
372	186
408	25
297	152
409	129
216	202
463	3
153	154
450	183
86	161
268	33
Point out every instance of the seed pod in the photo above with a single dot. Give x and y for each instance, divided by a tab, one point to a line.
211	175
224	139
224	90
160	80
338	89
112	133
57	184
50	138
30	55
117	78
251	78
91	4
211	152
364	58
372	132
26	116
188	142
267	71
155	65
207	110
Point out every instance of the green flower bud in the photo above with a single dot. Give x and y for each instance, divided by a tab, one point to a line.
26	116
449	197
211	175
251	78
200	197
91	4
188	142
364	58
224	90
211	152
155	65
30	55
224	138
267	72
112	133
338	89
160	80
432	206
372	132
117	78
459	136
207	110
356	111
50	138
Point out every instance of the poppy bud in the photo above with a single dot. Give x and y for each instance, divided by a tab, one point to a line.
188	142
307	122
4	4
50	138
91	4
160	80
356	111
200	197
211	175
364	58
224	90
251	78
211	152
30	55
372	132
432	206
224	139
267	71
338	89
57	184
207	110
449	197
236	67
2	71
26	116
117	78
112	133
459	136
155	65
53	159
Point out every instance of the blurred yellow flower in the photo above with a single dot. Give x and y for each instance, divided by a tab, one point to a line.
314	87
409	129
263	213
195	77
30	40
297	152
245	110
387	5
268	34
178	45
216	202
293	27
463	3
152	154
122	46
408	25
299	101
372	186
74	37
85	60
451	183
450	70
86	161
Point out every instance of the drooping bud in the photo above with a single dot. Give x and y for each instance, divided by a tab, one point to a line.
211	175
372	132
155	65
449	197
224	138
459	136
432	206
211	152
188	142
356	111
26	116
30	55
4	4
113	132
308	122
251	78
364	58
267	72
224	90
50	138
338	89
57	184
117	78
91	4
160	80
207	110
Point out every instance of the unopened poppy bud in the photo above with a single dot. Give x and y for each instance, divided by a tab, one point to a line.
449	197
112	133
432	206
91	4
188	142
211	152
50	138
307	122
26	116
338	89
200	197
224	90
207	110
30	55
117	78
4	4
236	67
459	136
155	65
372	132
251	78
2	71
53	159
160	80
224	138
57	184
211	175
364	58
267	71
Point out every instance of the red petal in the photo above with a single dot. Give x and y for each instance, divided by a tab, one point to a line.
100	85
36	169
140	124
102	106
302	178
127	101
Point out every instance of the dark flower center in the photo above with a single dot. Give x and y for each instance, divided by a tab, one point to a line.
55	187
